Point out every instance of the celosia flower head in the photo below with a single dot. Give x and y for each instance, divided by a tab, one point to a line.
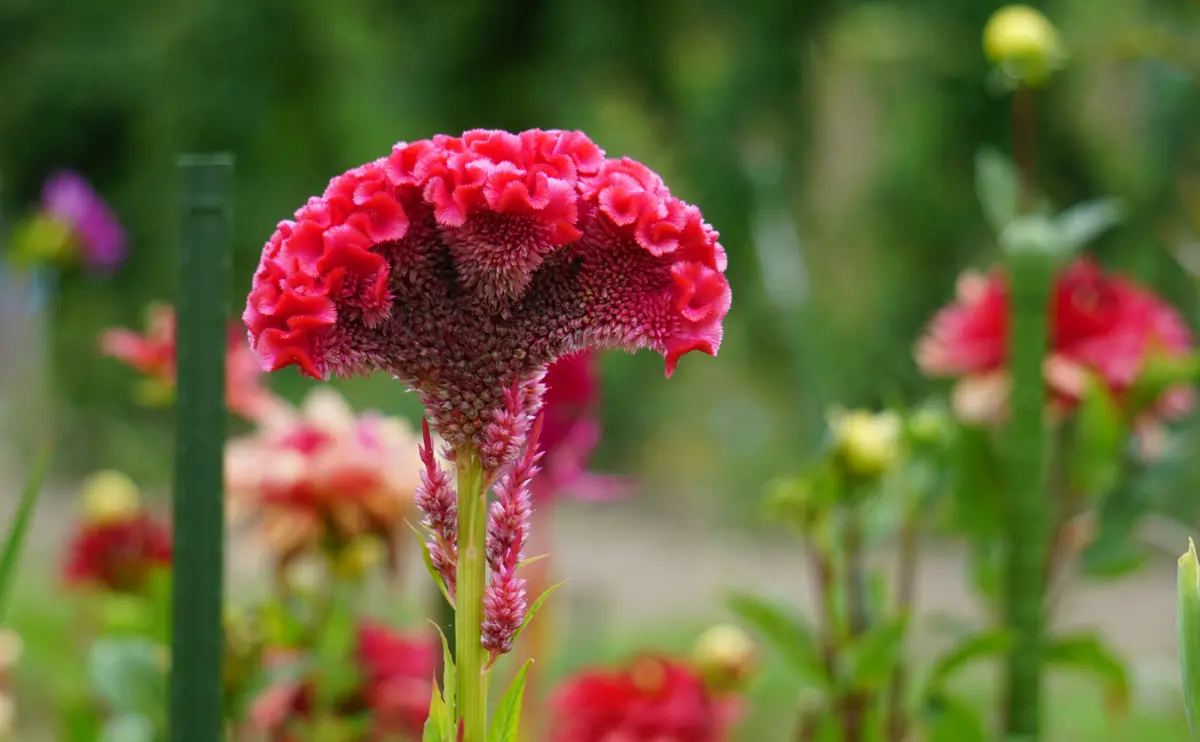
1101	326
464	265
571	431
655	699
323	476
152	354
394	674
117	546
69	199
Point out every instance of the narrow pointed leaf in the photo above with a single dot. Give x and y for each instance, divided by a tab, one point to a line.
508	713
1084	222
448	681
967	650
533	609
871	659
11	555
1089	654
434	724
1189	635
997	188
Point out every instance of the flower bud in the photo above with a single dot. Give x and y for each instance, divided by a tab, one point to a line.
109	496
724	656
868	444
359	557
1024	43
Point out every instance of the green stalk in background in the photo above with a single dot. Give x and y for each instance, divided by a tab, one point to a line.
197	647
472	575
1189	634
10	558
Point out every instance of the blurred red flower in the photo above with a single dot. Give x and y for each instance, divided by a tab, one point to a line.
153	354
396	675
655	699
117	554
1102	326
571	431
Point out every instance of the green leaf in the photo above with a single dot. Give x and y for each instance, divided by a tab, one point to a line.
531	560
435	724
508	713
870	659
785	632
11	556
1087	652
967	650
448	681
1082	223
997	187
129	674
128	727
533	609
432	570
338	674
1188	627
1100	435
948	719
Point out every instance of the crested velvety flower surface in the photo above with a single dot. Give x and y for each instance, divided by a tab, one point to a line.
1101	326
464	265
654	699
394	672
152	354
323	476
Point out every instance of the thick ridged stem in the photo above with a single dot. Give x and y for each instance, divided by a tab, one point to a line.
470	657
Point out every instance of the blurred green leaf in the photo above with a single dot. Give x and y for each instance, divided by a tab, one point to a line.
997	188
11	556
1097	447
1088	653
785	632
870	659
1083	223
129	674
968	649
336	637
128	727
948	719
505	722
1188	627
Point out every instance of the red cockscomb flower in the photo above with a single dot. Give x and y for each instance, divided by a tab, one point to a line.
395	675
464	265
153	355
117	545
654	700
1102	326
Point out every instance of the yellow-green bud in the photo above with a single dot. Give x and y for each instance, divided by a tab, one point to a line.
359	557
724	656
1024	43
867	443
109	496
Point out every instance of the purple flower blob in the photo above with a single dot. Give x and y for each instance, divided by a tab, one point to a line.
68	197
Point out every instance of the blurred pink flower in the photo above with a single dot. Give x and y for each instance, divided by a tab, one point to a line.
654	699
1102	326
118	554
153	355
68	198
464	265
571	431
396	675
322	476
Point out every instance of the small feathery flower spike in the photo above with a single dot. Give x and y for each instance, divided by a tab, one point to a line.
505	602
464	265
438	502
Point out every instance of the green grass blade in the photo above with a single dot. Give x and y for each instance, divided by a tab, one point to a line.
20	526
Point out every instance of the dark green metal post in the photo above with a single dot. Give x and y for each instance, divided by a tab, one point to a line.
197	646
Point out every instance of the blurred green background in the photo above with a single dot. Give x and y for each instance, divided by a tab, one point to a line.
830	142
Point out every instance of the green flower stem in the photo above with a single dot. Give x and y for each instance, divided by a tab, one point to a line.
906	590
1026	524
468	600
855	703
197	647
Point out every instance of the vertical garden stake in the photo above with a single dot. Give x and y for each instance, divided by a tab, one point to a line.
196	644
